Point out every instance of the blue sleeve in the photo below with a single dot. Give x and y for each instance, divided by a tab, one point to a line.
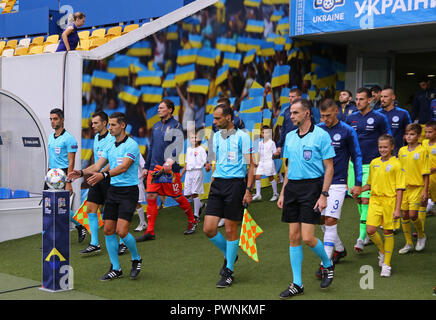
407	118
132	151
281	141
285	150
246	144
356	156
386	128
72	144
327	149
149	152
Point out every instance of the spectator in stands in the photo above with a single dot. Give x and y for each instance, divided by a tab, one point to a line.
376	95
346	105
421	109
70	38
188	107
159	51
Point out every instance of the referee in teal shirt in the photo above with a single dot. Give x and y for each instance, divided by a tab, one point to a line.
230	189
309	173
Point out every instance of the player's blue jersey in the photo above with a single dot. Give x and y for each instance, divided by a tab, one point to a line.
346	144
398	119
115	153
58	149
433	109
166	142
100	143
369	128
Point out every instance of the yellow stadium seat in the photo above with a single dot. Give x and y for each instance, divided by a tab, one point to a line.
51	47
98	33
11	44
8	53
96	43
2	44
21	51
83	35
83	45
36	49
130	27
24	42
52	39
113	32
37	41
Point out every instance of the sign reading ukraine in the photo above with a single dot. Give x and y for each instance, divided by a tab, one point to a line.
323	16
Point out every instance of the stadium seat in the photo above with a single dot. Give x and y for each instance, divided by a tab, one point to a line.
20	194
21	51
37	41
129	28
5	193
11	44
113	32
98	34
36	49
8	52
52	39
25	42
83	35
83	45
50	48
96	43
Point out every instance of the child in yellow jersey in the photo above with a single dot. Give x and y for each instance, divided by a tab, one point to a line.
430	144
386	181
415	161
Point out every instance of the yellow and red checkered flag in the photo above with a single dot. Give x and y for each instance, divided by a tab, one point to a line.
81	216
249	232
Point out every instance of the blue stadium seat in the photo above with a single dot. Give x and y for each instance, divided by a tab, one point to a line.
5	193
21	194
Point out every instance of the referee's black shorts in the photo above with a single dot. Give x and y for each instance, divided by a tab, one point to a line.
121	203
97	193
300	196
225	198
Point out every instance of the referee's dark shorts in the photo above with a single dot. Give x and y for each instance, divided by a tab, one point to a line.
300	196
98	193
225	198
121	202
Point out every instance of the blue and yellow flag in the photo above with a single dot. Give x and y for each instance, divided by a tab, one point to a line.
222	74
140	49
280	118
266	117
152	116
249	56
283	26
170	81
172	32
247	44
136	66
232	59
151	94
267	49
284	95
195	40
276	15
143	143
130	95
87	147
199	86
255	26
226	44
252	3
280	75
252	105
103	79
185	73
86	83
150	77
207	57
186	56
176	101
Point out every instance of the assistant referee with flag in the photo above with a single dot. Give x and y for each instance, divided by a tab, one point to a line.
230	189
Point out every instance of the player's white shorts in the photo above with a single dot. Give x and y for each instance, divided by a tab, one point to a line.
266	168
193	182
141	197
335	201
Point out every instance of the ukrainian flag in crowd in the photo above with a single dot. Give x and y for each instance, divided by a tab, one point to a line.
210	105
312	93
276	15
130	95
199	86
103	79
267	49
152	116
284	95
195	40
251	105
149	77
252	3
172	32
207	57
151	94
186	56
252	121
140	49
232	59
222	74
170	81
191	24
185	73
247	44
87	148
121	108
87	111
249	56
326	76
266	116
86	83
176	101
255	92
143	143
136	66
280	118
283	26
280	75
226	45
255	26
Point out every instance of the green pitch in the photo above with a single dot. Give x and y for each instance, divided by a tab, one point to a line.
176	266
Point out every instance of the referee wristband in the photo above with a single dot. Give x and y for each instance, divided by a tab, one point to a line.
249	189
106	174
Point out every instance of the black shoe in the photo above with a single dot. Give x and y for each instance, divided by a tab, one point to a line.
122	248
136	268
146	236
327	276
81	233
337	255
226	279
225	265
90	249
191	227
291	291
318	272
112	274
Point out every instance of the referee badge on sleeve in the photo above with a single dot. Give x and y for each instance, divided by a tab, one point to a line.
307	154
